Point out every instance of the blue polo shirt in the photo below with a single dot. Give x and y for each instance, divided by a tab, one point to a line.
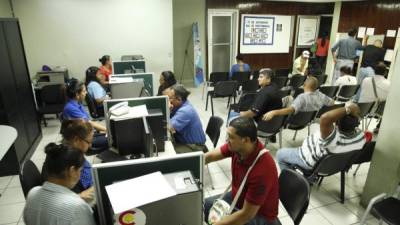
74	110
187	125
236	68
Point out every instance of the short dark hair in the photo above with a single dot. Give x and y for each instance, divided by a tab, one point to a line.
60	158
348	123
169	78
91	75
75	128
180	91
245	127
104	59
352	32
74	87
380	69
267	72
346	70
239	57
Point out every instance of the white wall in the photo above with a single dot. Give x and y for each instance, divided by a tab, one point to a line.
5	10
76	33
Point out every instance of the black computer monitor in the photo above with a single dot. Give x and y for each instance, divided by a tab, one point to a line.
132	137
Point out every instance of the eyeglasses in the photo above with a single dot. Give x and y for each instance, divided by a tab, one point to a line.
88	142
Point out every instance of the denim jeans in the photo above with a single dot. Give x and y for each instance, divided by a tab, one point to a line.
100	142
289	157
364	73
257	220
232	115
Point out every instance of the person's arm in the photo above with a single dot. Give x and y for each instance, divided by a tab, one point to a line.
333	49
248	113
242	216
214	155
97	126
87	194
279	112
259	103
328	119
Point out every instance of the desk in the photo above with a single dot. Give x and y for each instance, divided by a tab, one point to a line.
7	138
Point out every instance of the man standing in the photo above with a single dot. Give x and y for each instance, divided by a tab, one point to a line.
185	122
373	54
344	53
258	202
300	65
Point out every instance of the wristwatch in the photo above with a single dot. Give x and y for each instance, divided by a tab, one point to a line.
348	110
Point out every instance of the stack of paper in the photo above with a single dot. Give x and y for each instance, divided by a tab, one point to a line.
134	112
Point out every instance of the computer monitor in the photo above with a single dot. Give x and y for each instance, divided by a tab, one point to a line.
127	89
132	137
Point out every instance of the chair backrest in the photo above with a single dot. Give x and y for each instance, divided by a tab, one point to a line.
283	93
365	155
272	126
53	94
348	91
283	72
241	77
250	86
321	79
29	177
301	119
215	77
246	101
297	92
365	108
213	129
380	108
90	102
325	109
329	91
280	81
256	74
296	81
334	163
225	88
294	193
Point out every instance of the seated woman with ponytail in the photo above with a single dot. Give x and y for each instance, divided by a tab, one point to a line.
54	203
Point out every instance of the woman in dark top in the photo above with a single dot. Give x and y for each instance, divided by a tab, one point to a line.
167	79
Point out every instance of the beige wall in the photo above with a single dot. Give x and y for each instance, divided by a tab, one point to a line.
185	13
5	9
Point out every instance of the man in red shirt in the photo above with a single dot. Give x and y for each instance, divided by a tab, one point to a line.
258	202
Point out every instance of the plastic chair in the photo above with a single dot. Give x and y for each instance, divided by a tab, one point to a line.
213	131
294	194
283	72
216	77
240	77
297	92
296	81
329	91
280	81
52	99
299	121
284	93
378	112
250	86
325	109
365	109
92	106
365	155
245	102
255	74
346	92
266	129
29	177
222	89
321	79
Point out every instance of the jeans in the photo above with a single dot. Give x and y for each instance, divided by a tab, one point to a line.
232	115
257	220
289	157
100	142
364	73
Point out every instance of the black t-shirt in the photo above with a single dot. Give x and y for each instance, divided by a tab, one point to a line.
267	99
372	55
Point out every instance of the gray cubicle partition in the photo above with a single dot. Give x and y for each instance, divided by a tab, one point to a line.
152	103
147	79
121	67
108	173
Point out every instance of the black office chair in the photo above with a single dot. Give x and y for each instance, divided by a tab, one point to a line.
216	77
93	110
240	77
321	79
250	86
53	100
284	93
280	81
299	121
376	112
365	109
294	194
29	177
331	164
346	92
221	90
245	103
213	131
329	91
365	155
297	92
296	81
255	74
283	72
325	109
266	129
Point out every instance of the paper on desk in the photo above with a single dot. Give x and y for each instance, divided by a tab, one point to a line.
138	191
118	80
134	112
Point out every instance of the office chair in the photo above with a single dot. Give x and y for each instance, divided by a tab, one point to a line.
266	129
29	177
299	121
329	91
213	131
53	100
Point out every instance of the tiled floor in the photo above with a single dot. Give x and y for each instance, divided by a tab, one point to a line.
324	208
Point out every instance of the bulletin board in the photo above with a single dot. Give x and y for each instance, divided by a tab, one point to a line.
265	33
307	31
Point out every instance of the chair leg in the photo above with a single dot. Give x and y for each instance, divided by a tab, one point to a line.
207	101
355	172
342	186
369	207
294	136
229	111
212	105
229	101
320	181
44	121
308	130
211	181
280	139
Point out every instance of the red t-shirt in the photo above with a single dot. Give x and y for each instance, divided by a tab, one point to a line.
262	187
322	50
106	72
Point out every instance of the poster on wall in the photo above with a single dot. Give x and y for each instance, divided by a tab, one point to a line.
308	31
265	33
198	63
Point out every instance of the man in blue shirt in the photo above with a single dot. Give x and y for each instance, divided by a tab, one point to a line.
240	66
185	122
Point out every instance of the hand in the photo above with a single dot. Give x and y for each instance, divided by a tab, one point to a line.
268	116
354	109
88	194
334	60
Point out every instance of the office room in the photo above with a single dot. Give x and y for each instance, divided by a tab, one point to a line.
157	111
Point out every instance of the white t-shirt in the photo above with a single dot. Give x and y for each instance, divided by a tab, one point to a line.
367	89
346	80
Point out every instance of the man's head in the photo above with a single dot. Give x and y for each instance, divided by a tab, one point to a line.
352	32
265	77
380	69
311	84
305	55
239	58
177	95
242	134
347	124
345	70
378	43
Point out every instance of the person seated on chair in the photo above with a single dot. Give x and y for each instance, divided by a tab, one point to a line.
95	90
346	77
338	133
267	98
185	121
54	202
105	69
167	79
381	88
258	202
74	109
310	100
240	66
300	64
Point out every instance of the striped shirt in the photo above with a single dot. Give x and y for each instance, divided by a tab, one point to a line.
311	101
56	205
314	147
